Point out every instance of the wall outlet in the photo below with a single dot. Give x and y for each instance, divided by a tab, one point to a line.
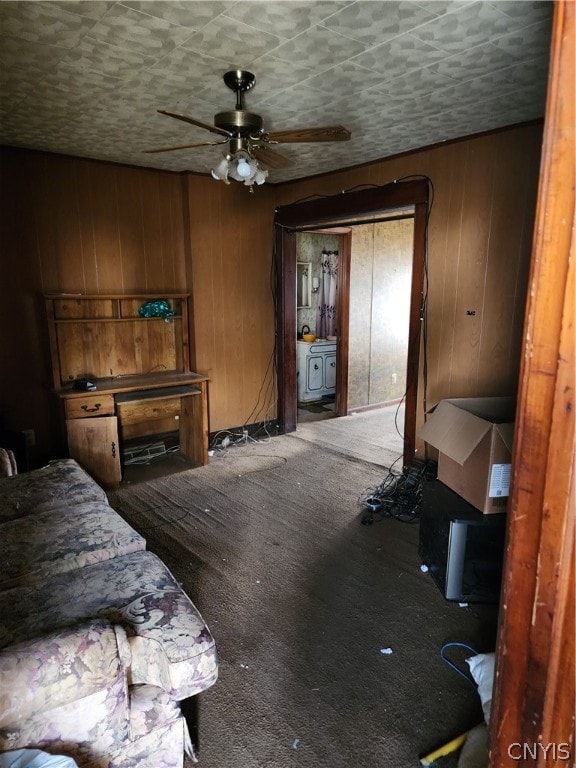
394	378
30	437
244	433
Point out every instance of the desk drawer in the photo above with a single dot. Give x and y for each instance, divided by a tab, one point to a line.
148	410
91	405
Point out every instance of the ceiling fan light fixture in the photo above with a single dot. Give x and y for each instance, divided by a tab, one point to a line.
260	176
220	173
240	166
248	141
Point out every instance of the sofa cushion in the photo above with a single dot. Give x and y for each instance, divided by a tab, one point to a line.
150	708
46	488
69	686
162	748
63	539
171	645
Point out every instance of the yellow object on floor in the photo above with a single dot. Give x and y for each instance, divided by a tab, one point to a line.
447	749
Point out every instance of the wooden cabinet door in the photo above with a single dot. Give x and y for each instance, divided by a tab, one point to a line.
94	445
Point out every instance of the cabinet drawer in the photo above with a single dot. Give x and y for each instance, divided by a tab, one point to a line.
148	410
91	405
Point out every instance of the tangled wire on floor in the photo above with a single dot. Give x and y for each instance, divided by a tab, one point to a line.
397	496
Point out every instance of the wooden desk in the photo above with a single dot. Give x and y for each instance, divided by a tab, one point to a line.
141	368
98	423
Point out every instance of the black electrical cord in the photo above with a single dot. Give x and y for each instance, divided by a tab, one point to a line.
398	496
267	388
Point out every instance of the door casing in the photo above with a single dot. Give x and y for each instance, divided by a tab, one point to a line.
360	207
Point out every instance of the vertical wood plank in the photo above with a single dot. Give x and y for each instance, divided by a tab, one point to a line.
533	664
86	225
130	228
470	291
104	194
68	242
154	235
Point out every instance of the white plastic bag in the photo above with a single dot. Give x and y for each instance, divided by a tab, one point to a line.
482	670
34	758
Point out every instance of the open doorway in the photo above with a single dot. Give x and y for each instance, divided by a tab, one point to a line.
367	206
318	270
380	275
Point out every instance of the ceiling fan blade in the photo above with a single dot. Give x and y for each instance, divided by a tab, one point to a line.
271	158
184	146
198	123
328	133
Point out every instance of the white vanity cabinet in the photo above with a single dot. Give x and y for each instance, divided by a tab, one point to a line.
316	369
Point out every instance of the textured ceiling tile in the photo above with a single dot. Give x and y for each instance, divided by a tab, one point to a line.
92	9
50	100
476	62
416	83
471	90
529	72
440	7
319	48
535	39
224	38
43	23
274	76
70	78
302	99
138	31
99	97
464	28
284	19
193	15
375	22
178	72
526	12
15	87
399	56
38	58
116	60
369	107
345	76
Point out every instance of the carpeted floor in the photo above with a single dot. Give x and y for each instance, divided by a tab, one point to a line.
328	632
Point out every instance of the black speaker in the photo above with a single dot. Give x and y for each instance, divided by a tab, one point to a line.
462	547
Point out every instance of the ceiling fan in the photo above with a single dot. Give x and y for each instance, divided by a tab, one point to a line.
249	144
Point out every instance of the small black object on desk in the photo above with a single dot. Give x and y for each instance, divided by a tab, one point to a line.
84	385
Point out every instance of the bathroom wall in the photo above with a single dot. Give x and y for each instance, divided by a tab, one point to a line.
309	246
380	280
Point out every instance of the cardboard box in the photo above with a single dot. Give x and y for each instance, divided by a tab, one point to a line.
474	437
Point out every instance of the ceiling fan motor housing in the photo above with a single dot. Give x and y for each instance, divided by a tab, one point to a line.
239	122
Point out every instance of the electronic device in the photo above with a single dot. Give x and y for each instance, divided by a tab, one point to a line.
462	547
84	385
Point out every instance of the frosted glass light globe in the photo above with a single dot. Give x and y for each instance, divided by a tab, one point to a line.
243	168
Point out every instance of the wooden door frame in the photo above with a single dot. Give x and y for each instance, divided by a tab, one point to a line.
532	720
361	207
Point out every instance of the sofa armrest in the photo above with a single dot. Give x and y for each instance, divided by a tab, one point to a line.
67	686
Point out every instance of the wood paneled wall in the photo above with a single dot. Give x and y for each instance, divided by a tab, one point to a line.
77	226
231	256
69	224
479	244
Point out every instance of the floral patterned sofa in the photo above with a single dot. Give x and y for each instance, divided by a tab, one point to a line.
100	648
